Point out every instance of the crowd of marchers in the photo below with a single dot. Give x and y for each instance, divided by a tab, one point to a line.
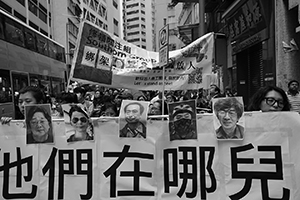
100	101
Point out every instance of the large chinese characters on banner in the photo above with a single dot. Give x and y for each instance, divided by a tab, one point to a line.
262	166
102	58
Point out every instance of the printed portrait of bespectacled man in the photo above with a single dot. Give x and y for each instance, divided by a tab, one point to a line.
182	123
228	112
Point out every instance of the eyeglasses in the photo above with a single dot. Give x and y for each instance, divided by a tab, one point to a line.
271	101
231	113
82	119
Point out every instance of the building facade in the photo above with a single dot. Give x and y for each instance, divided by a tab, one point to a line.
36	13
139	23
262	40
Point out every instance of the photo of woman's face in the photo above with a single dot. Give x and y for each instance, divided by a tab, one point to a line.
79	121
39	124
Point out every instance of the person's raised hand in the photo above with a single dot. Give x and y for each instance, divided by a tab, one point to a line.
5	120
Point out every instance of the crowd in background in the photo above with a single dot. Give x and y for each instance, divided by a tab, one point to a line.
101	101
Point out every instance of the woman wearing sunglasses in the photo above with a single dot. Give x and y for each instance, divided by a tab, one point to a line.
79	120
269	99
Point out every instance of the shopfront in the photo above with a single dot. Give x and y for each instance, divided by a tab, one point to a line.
250	28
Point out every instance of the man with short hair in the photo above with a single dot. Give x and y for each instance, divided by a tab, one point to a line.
293	95
134	126
228	112
183	126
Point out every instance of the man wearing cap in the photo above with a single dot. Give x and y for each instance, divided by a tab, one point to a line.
134	126
228	112
183	126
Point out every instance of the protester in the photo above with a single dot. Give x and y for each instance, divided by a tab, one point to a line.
63	98
88	105
110	110
214	92
98	99
79	120
228	112
157	109
268	99
170	98
39	125
134	127
28	95
293	95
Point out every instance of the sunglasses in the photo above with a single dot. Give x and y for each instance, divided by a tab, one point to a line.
82	119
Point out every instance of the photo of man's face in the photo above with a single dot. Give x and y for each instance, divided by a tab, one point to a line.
228	112
133	113
182	123
133	119
228	118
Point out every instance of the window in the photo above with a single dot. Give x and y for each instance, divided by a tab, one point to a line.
116	23
21	2
143	26
1	28
92	17
5	87
134	40
19	16
33	25
14	32
133	26
42	45
43	32
52	49
133	12
32	7
143	46
30	40
5	7
96	4
133	19
43	16
132	5
143	12
115	4
72	28
133	33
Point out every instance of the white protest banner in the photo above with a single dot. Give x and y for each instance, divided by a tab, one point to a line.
262	166
102	58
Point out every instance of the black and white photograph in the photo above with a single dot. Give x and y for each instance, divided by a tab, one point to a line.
182	120
78	125
133	119
228	114
38	124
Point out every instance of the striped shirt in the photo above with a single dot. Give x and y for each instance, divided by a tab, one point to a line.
294	101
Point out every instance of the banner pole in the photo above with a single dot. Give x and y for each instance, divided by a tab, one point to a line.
163	92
